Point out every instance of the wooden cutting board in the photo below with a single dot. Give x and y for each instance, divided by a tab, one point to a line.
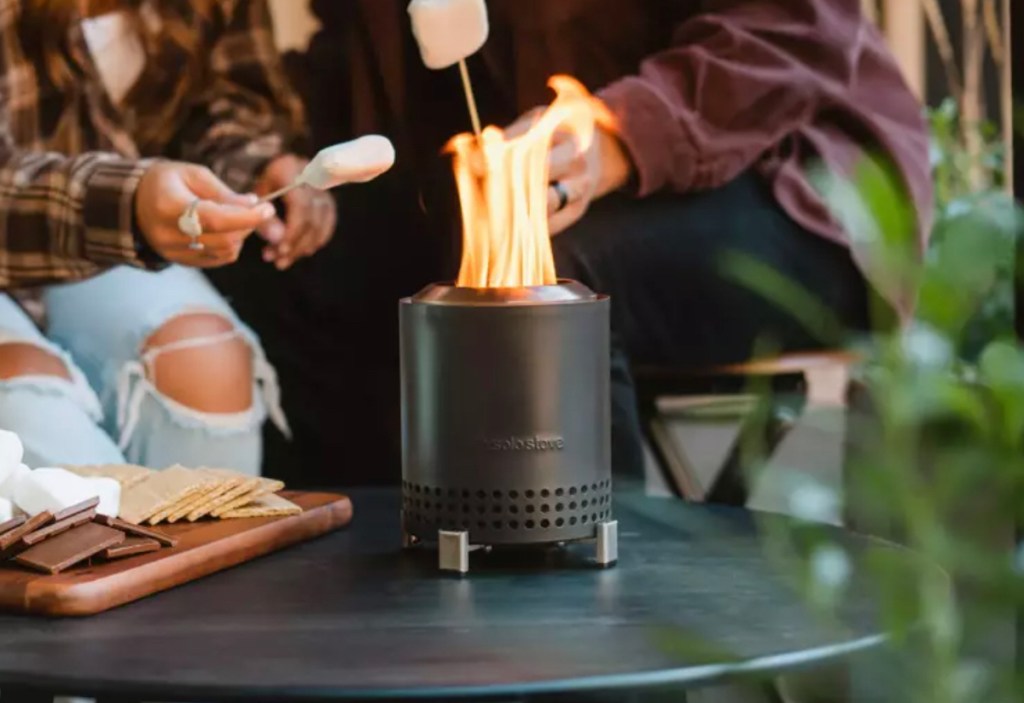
203	548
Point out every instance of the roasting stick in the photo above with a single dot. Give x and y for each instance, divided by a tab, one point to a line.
467	87
279	192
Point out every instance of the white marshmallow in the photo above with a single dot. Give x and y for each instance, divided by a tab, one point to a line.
51	490
6	510
109	492
8	483
11	452
6	472
449	31
357	161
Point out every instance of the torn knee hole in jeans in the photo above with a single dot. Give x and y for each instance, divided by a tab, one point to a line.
41	366
25	359
139	379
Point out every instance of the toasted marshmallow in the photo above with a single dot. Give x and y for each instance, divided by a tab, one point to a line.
357	161
11	452
51	490
449	31
9	480
6	510
109	492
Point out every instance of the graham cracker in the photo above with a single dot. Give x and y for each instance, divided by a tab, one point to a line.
221	486
160	490
247	486
271	505
127	475
266	487
199	491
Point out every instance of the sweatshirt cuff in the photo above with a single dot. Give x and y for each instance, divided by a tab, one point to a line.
649	131
108	211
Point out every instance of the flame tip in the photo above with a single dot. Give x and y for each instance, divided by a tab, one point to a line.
503	190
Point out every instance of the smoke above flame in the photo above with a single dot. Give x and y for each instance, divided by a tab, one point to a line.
503	191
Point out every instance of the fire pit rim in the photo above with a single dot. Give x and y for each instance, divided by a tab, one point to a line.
565	292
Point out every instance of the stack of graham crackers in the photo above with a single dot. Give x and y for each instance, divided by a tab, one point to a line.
179	493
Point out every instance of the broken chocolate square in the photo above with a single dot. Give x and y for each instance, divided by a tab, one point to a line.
74	546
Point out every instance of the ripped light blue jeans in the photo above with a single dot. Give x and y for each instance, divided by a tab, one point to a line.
110	411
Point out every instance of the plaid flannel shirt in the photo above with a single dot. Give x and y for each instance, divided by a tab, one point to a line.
67	202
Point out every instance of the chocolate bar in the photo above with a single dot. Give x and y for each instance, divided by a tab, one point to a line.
56	528
12	537
9	525
130	547
77	508
74	546
136	530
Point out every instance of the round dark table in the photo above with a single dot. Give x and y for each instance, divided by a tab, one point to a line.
692	600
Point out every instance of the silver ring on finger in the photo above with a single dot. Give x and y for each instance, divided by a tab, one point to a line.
191	227
563	195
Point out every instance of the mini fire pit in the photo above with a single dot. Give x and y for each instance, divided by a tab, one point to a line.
505	419
505	401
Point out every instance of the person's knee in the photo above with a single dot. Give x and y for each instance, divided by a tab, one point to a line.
200	364
19	359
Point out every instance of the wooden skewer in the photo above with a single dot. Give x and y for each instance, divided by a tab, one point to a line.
467	87
278	193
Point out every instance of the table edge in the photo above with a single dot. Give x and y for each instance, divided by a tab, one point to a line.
702	674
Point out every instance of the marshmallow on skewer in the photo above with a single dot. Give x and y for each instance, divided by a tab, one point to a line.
448	31
51	490
357	161
9	482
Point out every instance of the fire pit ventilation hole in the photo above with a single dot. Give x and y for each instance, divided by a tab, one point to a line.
482	510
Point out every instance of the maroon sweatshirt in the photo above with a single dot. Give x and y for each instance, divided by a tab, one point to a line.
704	89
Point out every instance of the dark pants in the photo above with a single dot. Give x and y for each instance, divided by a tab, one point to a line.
675	301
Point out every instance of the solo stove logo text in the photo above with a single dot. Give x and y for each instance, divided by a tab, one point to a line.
552	443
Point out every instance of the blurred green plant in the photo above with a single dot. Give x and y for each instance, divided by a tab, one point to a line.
935	438
973	235
934	441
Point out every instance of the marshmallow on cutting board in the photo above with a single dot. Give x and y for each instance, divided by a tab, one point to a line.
9	481
109	492
6	510
357	161
449	31
51	490
11	453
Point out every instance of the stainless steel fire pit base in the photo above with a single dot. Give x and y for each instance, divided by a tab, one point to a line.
454	547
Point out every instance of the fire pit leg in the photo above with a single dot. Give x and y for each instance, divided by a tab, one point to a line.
453	551
607	552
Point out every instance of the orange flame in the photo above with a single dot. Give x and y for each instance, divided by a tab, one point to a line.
504	200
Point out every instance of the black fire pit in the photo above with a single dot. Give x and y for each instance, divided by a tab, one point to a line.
506	419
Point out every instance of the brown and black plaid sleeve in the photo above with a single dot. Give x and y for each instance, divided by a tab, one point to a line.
63	218
249	114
